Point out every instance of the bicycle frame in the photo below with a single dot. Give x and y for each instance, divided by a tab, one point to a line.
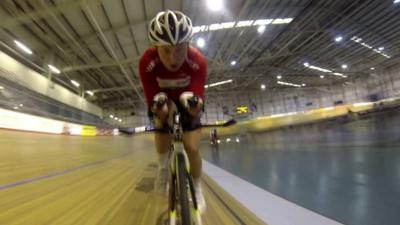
177	151
177	144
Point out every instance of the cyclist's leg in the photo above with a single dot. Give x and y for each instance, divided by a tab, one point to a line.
191	141
163	142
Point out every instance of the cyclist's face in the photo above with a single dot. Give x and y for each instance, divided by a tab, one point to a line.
173	56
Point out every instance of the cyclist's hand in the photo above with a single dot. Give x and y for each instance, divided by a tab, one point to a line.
192	103
160	106
162	113
195	111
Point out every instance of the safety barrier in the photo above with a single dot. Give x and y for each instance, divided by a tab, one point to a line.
25	122
276	121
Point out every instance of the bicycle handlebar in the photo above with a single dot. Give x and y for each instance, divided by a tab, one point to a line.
131	131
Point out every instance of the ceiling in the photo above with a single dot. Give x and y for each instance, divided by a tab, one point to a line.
98	42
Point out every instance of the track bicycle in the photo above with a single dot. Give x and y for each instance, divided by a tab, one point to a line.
183	206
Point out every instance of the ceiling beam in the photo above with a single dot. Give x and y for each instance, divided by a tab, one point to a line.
101	65
123	88
25	18
113	54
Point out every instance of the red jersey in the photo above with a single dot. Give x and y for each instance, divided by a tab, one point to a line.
156	78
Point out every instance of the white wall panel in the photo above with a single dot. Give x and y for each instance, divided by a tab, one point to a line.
17	72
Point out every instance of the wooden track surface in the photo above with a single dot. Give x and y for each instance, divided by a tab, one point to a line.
51	179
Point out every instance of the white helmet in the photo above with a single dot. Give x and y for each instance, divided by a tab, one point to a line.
170	28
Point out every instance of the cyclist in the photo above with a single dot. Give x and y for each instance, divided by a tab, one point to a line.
174	72
213	137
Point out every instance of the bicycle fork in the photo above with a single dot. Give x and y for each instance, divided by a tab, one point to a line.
178	151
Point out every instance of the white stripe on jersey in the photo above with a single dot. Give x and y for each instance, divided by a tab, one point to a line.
173	83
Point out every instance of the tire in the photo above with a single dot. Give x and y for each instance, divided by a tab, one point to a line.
182	189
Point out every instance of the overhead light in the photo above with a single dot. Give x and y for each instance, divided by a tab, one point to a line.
338	38
245	23
381	48
288	84
233	63
238	24
262	22
23	47
54	69
237	140
197	29
396	1
306	64
228	140
201	42
326	70
322	76
215	26
90	93
21	105
15	107
339	74
116	118
263	86
75	83
227	25
303	85
344	66
373	68
111	116
218	83
1	87
320	69
215	5
379	51
261	29
282	21
120	120
279	77
356	39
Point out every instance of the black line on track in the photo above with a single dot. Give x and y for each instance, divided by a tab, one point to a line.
57	174
237	217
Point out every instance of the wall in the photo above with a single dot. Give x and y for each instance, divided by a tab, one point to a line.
128	120
17	72
26	122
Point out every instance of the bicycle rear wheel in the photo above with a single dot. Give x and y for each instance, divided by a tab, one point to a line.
182	190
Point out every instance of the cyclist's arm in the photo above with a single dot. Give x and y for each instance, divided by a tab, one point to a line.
149	82
198	80
196	87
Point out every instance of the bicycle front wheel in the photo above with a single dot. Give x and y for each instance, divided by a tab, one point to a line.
182	190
